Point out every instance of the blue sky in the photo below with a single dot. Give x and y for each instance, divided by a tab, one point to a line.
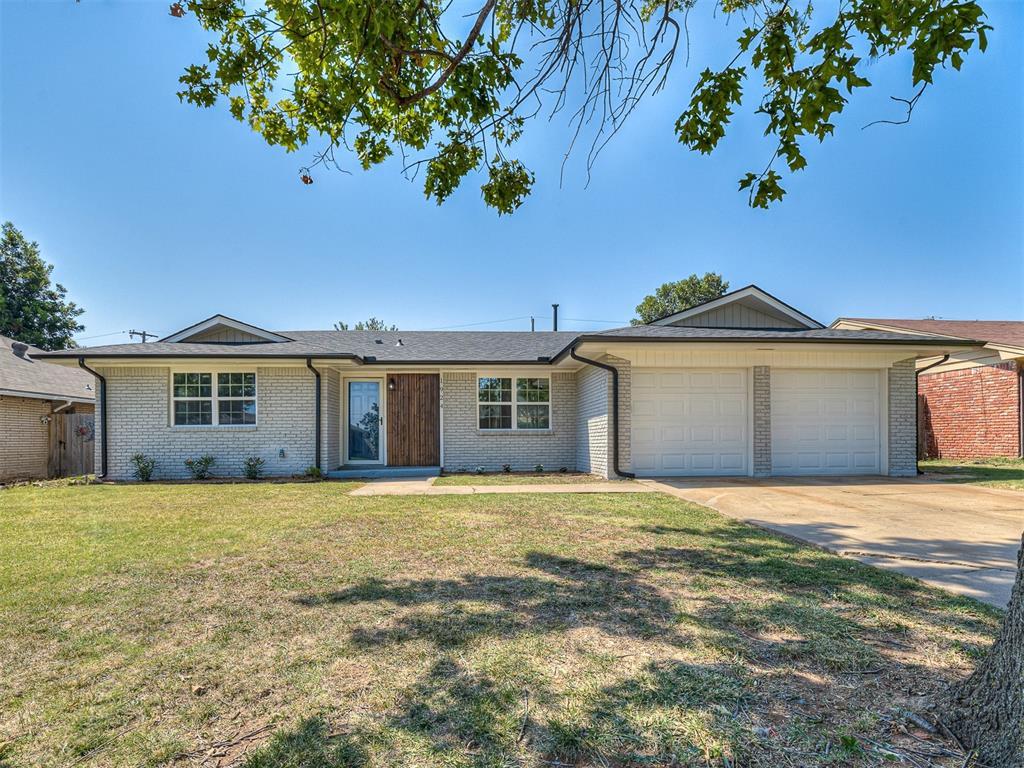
158	214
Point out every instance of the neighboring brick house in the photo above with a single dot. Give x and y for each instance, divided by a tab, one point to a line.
969	406
32	392
741	385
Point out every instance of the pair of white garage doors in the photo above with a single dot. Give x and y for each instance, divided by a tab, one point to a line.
699	421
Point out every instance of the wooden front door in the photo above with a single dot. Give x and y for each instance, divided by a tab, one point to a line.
414	420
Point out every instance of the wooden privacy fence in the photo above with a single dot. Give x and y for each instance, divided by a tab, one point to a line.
72	439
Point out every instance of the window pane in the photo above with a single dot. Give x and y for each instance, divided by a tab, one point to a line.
495	417
236	385
193	412
236	411
192	384
494	390
533	390
533	416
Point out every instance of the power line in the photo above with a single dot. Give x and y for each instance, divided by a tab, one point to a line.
582	320
99	335
485	322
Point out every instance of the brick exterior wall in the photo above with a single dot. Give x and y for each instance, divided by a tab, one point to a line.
972	413
902	420
467	447
594	447
330	420
24	438
139	422
593	440
762	436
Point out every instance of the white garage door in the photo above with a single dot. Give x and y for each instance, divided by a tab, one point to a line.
825	422
689	422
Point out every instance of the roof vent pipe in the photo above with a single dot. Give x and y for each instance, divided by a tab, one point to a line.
19	348
554	317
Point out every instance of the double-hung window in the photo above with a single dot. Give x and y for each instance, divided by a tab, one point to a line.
514	402
198	401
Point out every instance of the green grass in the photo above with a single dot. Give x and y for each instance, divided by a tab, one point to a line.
276	626
996	473
517	478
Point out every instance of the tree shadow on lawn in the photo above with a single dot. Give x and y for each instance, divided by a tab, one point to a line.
777	609
570	593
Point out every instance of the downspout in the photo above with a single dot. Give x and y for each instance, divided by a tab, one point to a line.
103	416
615	407
917	406
309	364
1020	407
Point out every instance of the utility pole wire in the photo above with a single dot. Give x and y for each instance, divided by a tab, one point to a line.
144	334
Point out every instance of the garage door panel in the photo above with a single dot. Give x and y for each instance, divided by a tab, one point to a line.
825	422
697	425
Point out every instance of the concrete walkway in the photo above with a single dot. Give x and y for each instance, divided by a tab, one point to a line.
424	486
963	538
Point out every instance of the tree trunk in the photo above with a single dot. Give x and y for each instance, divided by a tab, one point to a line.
986	711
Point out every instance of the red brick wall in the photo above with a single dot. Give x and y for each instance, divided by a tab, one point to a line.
970	414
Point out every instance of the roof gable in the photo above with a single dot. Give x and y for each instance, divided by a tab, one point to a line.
221	329
746	308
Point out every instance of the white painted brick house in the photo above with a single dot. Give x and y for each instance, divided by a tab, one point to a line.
742	385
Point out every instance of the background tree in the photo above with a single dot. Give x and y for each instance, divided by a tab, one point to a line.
453	92
680	295
373	324
32	309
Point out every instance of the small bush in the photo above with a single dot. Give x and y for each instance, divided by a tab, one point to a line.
506	468
563	470
253	467
144	467
200	468
314	472
479	470
538	468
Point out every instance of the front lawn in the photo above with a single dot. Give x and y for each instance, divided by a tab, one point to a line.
268	626
996	473
518	478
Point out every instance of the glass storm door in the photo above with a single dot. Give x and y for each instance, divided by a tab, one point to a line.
364	422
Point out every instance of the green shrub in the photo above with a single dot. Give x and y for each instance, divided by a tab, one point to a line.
314	472
200	468
253	467
144	467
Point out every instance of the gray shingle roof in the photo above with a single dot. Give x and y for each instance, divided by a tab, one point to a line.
473	346
31	377
416	346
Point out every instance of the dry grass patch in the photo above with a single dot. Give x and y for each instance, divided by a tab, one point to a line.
293	625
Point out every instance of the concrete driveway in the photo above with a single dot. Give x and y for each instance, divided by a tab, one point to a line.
960	537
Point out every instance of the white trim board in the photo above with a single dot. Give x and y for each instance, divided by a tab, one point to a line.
225	322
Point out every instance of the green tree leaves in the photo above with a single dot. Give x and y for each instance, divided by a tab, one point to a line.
453	92
32	309
674	297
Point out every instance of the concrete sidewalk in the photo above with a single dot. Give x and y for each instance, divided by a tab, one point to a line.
963	538
424	486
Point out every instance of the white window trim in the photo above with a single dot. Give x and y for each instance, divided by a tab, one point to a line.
514	402
214	399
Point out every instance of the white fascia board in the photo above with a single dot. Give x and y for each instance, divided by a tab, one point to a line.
227	322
